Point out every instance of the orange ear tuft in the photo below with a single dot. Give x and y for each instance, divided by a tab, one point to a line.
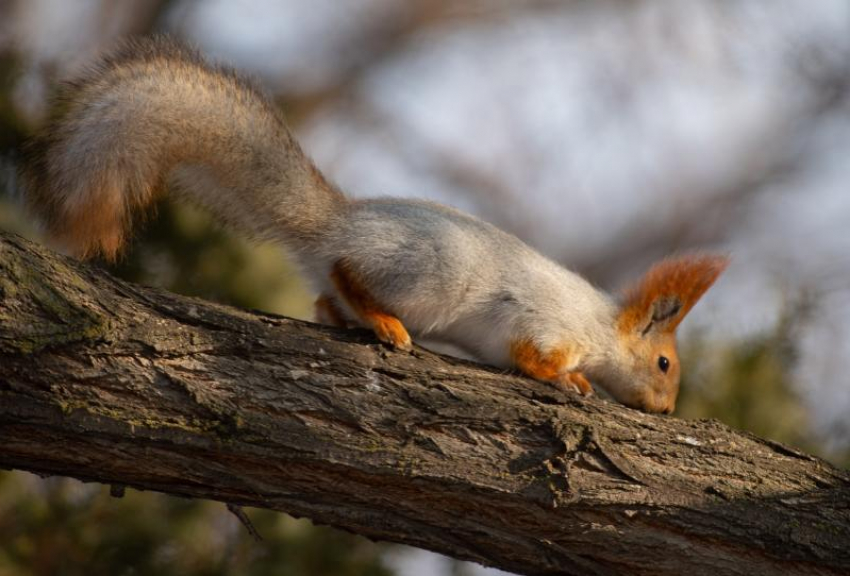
662	298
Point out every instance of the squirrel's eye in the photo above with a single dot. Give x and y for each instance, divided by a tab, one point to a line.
663	363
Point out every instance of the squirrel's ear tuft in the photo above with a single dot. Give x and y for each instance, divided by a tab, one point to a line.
662	298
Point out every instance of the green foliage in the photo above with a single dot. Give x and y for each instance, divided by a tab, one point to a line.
747	385
12	127
182	249
747	389
61	527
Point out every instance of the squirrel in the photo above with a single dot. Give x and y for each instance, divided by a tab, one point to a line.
155	112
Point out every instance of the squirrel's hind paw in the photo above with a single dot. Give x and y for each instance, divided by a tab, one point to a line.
574	382
390	330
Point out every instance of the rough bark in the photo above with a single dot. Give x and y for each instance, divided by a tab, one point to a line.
110	382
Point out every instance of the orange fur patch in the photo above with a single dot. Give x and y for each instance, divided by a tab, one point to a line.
578	380
549	367
90	230
328	313
532	362
685	278
387	327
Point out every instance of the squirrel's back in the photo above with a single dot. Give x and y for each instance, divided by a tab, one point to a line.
155	112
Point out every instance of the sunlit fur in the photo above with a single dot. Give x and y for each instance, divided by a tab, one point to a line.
685	278
155	113
674	286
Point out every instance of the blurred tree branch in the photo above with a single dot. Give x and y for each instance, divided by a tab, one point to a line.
115	383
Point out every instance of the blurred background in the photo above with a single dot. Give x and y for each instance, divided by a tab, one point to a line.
606	133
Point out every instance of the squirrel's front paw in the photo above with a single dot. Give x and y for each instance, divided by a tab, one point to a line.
390	330
574	382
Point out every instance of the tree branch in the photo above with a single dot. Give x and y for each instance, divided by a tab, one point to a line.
115	383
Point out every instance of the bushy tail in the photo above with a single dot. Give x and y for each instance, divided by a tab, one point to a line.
154	112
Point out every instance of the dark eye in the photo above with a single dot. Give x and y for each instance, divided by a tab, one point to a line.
663	363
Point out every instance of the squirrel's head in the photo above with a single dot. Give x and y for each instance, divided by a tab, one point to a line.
649	313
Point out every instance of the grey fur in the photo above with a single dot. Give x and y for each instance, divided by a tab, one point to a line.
154	110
